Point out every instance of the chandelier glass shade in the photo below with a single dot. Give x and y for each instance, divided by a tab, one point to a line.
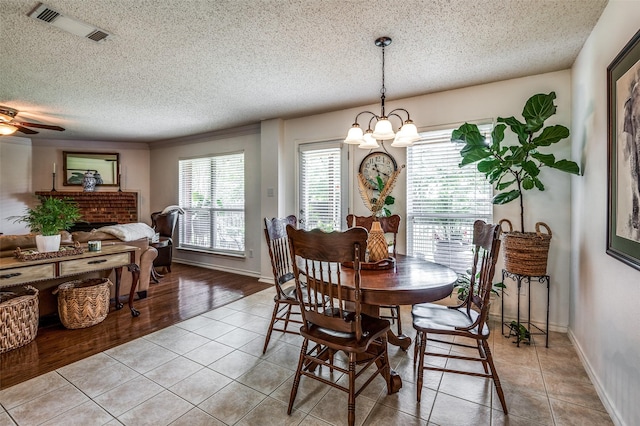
383	130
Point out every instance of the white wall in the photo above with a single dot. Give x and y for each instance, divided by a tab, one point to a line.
164	187
15	183
134	160
487	101
604	292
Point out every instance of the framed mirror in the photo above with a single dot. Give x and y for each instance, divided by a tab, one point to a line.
104	165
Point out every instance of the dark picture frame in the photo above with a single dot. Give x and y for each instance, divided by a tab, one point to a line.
106	165
623	171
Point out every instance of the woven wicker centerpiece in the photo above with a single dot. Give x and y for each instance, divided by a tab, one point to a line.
18	318
83	303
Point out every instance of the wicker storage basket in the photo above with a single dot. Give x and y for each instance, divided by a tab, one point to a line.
19	320
83	303
526	253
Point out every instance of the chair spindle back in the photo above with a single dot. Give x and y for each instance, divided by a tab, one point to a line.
317	261
278	243
486	241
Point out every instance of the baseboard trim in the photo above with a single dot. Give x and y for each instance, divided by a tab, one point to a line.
219	268
602	394
552	327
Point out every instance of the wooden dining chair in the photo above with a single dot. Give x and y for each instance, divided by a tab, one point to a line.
331	326
469	319
285	299
389	225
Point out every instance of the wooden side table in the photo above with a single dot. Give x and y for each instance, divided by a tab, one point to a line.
543	279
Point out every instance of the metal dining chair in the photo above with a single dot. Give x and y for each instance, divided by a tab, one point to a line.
468	319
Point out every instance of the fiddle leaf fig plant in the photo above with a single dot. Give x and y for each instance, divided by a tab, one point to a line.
506	166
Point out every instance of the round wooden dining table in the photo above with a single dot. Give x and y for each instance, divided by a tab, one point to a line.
411	280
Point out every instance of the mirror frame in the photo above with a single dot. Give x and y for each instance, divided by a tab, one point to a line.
107	156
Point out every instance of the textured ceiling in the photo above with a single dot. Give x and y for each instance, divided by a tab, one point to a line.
178	68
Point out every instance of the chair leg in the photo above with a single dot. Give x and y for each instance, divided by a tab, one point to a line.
287	317
386	371
483	356
494	374
296	379
416	346
276	305
422	349
352	390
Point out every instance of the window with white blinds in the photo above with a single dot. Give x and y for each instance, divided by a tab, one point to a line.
321	184
212	196
444	200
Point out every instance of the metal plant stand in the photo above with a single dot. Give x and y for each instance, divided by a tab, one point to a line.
528	325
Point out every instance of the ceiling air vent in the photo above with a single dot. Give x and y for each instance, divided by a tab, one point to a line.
47	14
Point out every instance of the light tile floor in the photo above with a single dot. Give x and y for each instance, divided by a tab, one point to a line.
210	370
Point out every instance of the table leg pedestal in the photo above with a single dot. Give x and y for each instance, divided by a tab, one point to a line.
401	341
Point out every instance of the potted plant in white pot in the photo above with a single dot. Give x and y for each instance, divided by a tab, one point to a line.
48	219
519	165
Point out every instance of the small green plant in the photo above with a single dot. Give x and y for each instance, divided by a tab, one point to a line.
51	216
521	332
463	283
388	200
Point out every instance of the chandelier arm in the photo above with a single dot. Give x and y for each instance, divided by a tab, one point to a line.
401	109
365	112
396	115
370	120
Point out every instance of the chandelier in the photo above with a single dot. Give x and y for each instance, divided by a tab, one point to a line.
383	130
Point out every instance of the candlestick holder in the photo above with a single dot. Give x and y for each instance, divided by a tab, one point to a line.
53	183
119	182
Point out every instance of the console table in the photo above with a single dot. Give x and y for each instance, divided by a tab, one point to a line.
14	272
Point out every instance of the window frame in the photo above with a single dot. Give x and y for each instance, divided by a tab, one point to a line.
344	178
213	210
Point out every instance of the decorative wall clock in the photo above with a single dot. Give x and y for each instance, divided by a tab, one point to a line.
377	164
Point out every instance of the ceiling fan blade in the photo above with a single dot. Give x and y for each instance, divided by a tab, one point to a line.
38	126
24	129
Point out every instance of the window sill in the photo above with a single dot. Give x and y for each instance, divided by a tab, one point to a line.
213	252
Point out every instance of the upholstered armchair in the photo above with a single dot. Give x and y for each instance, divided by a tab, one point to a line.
164	224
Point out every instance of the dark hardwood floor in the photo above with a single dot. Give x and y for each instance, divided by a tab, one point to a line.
184	293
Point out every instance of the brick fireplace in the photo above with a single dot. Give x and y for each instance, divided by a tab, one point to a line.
120	207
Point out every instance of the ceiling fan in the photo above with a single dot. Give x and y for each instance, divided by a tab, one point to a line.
8	126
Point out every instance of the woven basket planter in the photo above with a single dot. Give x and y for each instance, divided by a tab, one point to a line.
83	303
19	320
526	253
